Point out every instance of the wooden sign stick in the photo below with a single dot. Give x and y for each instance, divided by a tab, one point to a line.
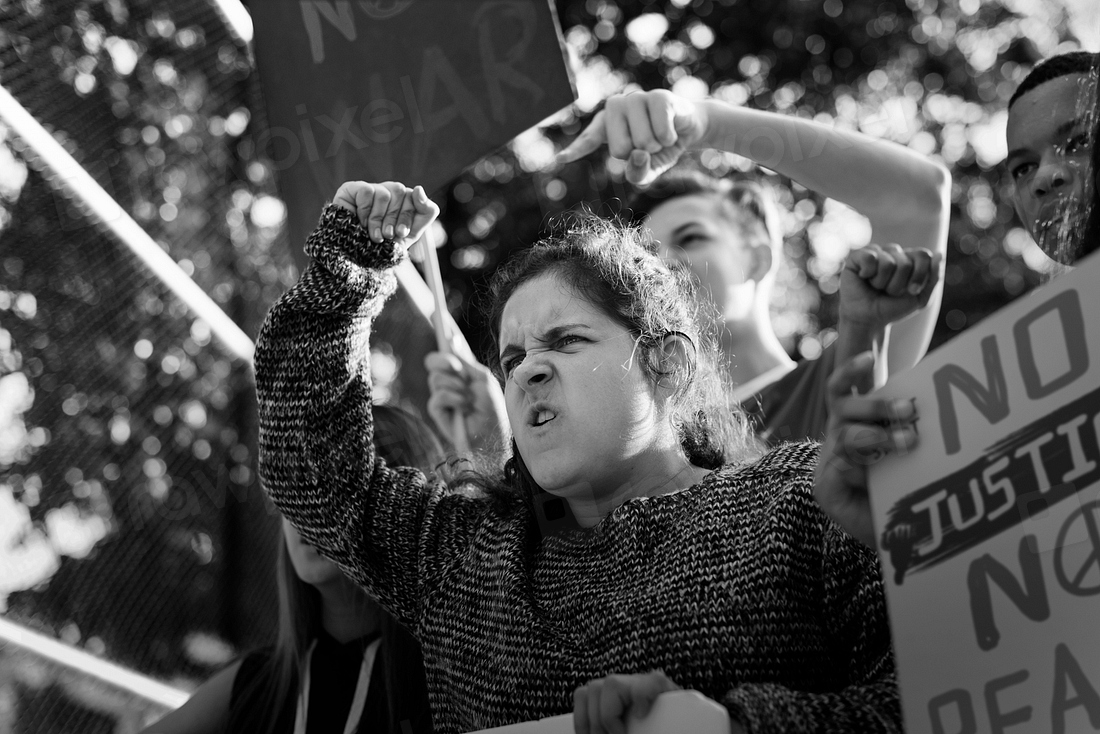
442	333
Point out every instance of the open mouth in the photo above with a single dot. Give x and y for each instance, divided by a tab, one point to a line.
541	417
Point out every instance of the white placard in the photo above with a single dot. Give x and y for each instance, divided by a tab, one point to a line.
989	531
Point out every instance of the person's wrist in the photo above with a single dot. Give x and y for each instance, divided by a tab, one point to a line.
856	336
707	111
860	324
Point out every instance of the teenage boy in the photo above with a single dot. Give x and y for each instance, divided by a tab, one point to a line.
1049	135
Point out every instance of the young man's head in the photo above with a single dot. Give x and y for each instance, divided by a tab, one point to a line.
1051	122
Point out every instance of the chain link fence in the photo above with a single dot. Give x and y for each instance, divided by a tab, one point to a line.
132	524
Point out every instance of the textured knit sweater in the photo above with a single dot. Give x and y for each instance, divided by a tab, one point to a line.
738	587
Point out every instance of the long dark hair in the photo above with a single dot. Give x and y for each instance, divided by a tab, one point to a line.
400	439
616	268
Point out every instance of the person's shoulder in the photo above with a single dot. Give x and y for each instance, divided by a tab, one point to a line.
781	477
791	458
207	710
774	495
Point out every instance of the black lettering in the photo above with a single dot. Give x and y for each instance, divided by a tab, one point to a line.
1068	306
1067	671
1001	720
960	700
1030	599
991	399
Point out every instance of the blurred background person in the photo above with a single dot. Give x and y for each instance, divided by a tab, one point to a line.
340	662
729	236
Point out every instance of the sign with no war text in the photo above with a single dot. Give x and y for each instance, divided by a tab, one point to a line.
989	530
398	90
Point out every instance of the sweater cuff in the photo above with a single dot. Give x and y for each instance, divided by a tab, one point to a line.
340	239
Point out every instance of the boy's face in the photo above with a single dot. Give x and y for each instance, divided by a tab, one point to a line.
1048	160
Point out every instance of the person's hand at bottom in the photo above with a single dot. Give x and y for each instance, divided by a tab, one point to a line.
601	706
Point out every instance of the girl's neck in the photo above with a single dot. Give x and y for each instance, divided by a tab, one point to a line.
665	474
347	613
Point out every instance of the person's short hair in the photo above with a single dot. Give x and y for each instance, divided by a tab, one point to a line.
746	195
1072	62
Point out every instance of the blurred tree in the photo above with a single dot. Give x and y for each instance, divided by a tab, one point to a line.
934	75
132	457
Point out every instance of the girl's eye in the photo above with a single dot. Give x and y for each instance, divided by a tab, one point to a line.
509	364
567	340
689	240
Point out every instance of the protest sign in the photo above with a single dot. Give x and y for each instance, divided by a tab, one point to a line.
404	90
398	90
989	530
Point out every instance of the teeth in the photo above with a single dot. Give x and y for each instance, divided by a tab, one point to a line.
543	417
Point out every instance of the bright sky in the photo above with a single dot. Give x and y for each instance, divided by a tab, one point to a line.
1085	22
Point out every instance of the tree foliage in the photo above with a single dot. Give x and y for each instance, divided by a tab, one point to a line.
934	75
138	527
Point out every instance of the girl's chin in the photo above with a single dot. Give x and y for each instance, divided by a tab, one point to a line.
564	488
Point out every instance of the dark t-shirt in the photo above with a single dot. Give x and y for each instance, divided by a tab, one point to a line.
334	671
793	407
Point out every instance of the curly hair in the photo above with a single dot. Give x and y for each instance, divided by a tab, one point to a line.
616	268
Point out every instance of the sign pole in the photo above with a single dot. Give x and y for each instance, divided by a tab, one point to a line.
442	335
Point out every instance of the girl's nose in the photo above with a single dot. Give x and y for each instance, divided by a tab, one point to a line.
535	370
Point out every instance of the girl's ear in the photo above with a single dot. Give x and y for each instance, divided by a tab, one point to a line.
675	360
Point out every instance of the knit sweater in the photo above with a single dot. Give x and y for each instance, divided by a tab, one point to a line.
738	587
